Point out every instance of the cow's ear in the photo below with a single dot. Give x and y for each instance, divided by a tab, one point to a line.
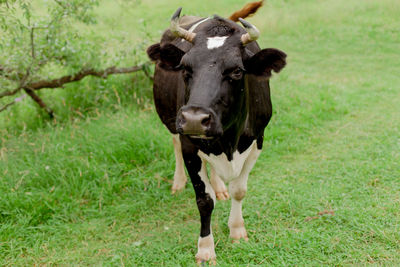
171	55
265	61
153	52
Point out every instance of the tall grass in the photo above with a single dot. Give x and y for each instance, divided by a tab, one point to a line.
93	187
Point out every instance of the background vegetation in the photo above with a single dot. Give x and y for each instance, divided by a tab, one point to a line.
92	186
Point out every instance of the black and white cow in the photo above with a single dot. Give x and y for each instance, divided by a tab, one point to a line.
211	90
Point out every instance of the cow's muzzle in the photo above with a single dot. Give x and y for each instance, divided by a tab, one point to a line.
197	123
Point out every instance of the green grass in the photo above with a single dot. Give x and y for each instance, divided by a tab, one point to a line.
94	189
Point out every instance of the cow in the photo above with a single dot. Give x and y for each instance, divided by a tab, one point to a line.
211	90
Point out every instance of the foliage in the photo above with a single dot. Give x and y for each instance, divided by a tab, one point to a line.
42	41
36	43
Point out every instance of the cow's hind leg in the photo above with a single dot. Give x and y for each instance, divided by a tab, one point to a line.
237	189
218	185
179	176
205	199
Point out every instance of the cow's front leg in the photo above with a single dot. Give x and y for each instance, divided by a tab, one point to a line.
205	199
238	189
179	176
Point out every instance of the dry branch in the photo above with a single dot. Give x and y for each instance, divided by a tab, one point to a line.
40	102
56	83
12	103
10	93
6	106
30	87
21	83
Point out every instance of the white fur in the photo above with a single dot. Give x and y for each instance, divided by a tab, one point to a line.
205	249
204	177
179	176
218	185
237	189
226	169
216	41
236	172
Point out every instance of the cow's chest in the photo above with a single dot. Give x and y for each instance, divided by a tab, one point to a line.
229	169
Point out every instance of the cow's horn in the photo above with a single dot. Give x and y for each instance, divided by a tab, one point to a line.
179	31
252	32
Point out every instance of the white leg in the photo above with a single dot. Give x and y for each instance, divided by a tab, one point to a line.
218	185
179	176
206	250
237	189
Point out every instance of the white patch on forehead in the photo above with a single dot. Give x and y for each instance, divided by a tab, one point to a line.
226	169
216	41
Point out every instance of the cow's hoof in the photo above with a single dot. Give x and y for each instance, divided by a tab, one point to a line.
205	257
237	233
222	195
179	183
205	250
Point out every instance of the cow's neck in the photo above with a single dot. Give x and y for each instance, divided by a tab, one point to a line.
228	142
230	139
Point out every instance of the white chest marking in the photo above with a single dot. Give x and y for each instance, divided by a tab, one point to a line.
226	169
215	42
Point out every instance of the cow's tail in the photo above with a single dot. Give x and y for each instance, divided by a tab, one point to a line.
248	10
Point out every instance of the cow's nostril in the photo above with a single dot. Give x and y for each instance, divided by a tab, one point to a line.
194	122
206	121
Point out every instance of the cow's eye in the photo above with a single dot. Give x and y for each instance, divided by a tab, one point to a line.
187	73
236	74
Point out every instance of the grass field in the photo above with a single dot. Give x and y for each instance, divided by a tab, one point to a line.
93	188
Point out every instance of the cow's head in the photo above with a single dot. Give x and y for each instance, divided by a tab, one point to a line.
214	71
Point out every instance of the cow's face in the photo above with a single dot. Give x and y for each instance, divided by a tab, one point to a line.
214	71
214	91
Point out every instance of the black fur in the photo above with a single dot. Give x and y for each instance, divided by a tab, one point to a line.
265	61
204	202
232	83
153	51
170	55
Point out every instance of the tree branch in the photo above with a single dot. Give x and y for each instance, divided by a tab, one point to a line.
147	73
7	106
29	88
21	85
40	102
9	93
33	42
56	83
12	103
